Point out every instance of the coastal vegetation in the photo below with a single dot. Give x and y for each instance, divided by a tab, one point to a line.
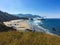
4	28
8	36
27	38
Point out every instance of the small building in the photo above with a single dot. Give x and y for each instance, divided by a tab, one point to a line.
18	24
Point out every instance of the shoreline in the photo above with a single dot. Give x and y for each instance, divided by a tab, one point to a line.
43	30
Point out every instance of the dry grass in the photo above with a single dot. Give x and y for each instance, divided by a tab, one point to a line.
28	38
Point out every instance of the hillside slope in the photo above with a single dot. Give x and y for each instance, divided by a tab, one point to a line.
28	38
7	17
4	28
28	15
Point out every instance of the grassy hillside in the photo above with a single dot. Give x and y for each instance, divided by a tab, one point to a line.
27	38
8	36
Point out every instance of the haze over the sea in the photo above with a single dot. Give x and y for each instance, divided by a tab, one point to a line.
48	8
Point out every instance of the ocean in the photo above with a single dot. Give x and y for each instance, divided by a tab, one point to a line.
53	25
48	25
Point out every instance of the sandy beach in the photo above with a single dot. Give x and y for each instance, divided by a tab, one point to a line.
18	24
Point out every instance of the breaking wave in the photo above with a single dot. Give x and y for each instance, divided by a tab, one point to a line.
40	27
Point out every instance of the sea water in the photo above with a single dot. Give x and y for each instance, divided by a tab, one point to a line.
51	26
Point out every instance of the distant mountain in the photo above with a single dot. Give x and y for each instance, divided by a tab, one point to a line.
28	15
7	17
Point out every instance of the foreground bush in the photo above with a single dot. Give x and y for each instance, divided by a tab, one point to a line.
27	38
4	28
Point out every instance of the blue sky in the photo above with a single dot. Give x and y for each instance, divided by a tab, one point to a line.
48	8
